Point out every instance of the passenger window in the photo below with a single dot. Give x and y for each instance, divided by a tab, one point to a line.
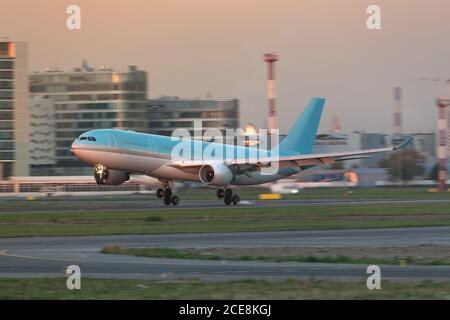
93	139
83	138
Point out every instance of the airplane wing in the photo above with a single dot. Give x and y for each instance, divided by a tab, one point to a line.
296	161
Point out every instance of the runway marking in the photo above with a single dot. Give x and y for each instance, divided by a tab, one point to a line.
6	254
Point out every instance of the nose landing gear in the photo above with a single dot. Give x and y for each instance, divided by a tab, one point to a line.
101	174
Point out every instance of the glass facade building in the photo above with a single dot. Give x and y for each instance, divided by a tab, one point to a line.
166	114
87	99
13	109
42	131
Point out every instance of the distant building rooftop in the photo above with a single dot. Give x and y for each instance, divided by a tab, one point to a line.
175	98
85	68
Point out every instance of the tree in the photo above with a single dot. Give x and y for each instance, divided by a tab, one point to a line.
404	164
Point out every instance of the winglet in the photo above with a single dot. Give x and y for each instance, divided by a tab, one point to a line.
404	144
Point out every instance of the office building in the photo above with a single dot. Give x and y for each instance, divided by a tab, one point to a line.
14	126
166	114
42	133
373	141
87	99
329	143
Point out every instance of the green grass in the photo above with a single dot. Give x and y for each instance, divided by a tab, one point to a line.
191	254
55	288
227	219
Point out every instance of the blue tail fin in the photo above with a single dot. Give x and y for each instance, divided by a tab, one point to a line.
302	135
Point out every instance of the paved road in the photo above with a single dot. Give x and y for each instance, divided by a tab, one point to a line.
48	256
85	204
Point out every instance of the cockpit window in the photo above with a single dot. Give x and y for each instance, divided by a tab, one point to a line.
88	138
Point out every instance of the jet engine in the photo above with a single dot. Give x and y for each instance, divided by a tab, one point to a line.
104	176
215	175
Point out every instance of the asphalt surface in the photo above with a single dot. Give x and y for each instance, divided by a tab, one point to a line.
49	256
86	204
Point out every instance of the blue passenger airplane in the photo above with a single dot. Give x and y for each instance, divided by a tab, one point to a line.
116	154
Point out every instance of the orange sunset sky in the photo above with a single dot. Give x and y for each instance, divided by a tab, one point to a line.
194	47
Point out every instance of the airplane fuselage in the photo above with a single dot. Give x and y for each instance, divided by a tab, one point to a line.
150	154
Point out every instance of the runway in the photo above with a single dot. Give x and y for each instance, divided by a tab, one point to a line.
117	204
48	256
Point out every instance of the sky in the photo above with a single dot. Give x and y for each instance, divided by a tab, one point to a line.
191	48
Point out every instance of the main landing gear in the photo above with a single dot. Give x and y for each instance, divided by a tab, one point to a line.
166	194
228	197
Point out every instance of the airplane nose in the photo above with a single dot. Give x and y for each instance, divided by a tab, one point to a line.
73	148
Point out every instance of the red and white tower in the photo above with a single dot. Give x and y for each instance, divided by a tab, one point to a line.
270	58
397	120
442	104
448	127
